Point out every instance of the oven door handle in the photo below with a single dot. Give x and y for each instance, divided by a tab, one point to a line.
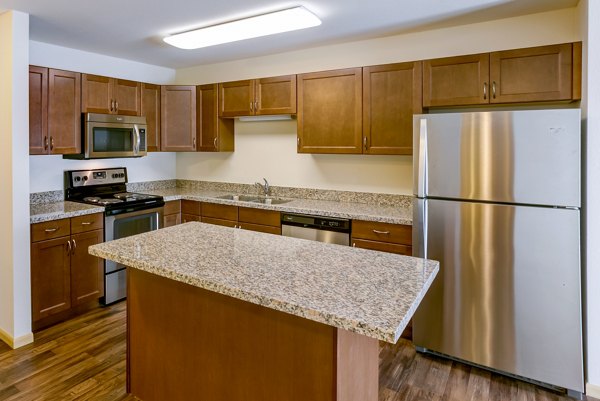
136	147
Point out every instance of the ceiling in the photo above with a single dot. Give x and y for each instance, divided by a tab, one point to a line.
133	29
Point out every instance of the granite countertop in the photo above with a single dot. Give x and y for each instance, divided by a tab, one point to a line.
367	292
347	210
40	212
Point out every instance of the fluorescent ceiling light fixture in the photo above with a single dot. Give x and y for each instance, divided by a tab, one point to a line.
261	25
275	117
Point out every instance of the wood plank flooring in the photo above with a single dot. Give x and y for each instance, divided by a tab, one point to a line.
84	359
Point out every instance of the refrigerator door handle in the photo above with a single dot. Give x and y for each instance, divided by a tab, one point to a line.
419	232
422	166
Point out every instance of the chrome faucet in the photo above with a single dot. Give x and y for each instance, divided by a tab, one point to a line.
264	188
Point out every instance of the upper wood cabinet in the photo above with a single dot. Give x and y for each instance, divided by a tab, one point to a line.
214	134
54	113
536	74
330	111
110	95
151	110
178	118
391	95
264	96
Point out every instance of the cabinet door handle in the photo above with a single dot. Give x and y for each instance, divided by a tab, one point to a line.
256	105
215	142
51	230
365	142
252	106
298	141
485	90
381	232
494	89
194	142
116	106
86	223
74	244
354	245
112	105
45	143
69	247
51	143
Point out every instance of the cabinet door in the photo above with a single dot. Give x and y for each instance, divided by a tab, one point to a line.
391	95
38	110
64	117
220	222
96	94
87	271
178	118
382	246
214	134
330	112
170	220
531	75
236	98
50	277
276	95
151	110
260	228
218	211
455	81
127	96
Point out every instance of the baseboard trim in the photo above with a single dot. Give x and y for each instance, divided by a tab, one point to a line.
16	342
593	390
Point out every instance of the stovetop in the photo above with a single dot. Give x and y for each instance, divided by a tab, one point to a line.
107	187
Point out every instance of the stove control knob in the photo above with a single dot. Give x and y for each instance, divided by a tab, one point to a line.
115	175
85	178
77	179
122	175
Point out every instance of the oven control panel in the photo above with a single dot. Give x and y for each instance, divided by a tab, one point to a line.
86	178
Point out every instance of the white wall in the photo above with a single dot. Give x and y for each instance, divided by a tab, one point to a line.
590	14
46	172
15	295
263	151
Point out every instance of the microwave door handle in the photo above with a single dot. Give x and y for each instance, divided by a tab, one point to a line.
136	147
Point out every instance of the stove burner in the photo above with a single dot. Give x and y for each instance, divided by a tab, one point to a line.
109	201
92	199
131	196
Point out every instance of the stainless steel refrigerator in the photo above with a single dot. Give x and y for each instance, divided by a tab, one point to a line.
497	202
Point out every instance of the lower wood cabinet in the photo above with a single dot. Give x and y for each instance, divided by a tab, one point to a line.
190	211
386	237
172	213
64	276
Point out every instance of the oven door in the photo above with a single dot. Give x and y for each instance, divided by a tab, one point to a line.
105	139
121	226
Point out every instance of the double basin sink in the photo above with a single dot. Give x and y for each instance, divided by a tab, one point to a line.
255	199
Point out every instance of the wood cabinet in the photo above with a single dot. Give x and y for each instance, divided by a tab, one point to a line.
150	108
265	221
178	118
172	213
216	213
537	74
264	96
110	95
191	211
54	111
64	276
214	134
330	112
386	237
391	95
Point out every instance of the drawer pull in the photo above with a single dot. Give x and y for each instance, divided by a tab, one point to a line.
86	223
381	232
354	245
51	230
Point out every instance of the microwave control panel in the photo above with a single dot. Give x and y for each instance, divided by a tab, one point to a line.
86	178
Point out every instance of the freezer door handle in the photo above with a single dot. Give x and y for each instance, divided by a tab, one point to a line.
422	166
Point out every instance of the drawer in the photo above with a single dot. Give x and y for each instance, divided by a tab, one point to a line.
171	220
191	207
382	246
89	222
218	211
220	222
259	216
260	228
384	232
186	218
172	207
50	229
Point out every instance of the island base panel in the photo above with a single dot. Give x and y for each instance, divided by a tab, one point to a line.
188	343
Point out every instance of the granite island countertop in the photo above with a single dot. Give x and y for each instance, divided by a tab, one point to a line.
40	212
346	210
367	292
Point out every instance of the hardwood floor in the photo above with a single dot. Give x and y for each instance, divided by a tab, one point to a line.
84	359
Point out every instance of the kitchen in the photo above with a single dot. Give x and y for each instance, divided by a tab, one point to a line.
269	148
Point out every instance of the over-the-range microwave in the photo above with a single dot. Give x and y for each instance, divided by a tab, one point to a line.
108	136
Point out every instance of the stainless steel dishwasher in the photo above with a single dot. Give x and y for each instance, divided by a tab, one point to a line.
323	229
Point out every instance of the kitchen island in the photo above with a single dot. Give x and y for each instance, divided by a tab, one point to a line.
216	313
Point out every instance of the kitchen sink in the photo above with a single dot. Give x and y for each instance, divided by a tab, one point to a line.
255	199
